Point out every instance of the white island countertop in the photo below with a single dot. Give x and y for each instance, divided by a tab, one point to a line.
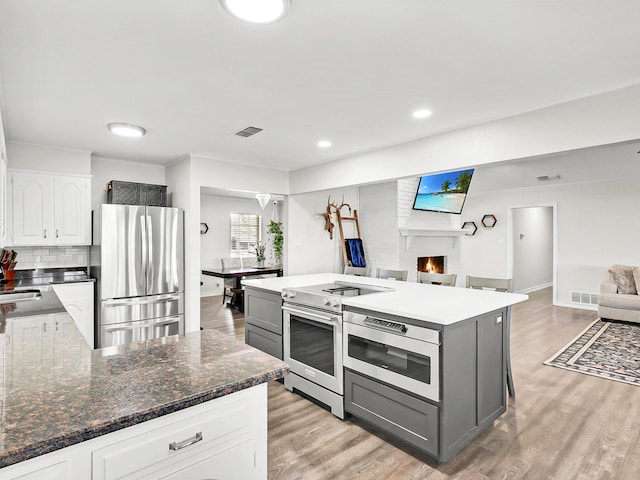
430	303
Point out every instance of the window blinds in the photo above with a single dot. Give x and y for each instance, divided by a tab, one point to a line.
245	233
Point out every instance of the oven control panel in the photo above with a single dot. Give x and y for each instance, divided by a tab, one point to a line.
395	327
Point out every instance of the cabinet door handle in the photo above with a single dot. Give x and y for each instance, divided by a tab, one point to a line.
57	235
45	233
185	443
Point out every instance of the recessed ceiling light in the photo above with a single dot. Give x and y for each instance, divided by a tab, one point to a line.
126	129
324	144
256	11
422	113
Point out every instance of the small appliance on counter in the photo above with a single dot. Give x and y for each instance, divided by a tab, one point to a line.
137	259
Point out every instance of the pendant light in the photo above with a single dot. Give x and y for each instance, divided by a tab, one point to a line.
263	199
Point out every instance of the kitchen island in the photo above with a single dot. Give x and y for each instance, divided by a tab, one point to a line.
424	363
176	407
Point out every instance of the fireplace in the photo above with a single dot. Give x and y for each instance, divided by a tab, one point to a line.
434	264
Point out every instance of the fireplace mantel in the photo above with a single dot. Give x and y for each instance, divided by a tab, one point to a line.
408	233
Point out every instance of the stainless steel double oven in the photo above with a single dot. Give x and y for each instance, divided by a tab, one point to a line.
312	321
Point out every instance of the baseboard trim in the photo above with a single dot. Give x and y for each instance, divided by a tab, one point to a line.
535	288
581	306
210	293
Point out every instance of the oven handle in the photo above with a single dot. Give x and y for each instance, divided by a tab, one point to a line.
315	316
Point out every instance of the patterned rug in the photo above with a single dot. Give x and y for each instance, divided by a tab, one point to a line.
605	349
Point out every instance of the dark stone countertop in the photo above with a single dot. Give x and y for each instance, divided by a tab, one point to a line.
51	398
24	279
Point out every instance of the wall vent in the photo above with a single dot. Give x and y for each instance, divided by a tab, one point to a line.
586	298
248	132
546	178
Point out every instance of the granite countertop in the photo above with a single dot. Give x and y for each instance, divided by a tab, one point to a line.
430	303
55	391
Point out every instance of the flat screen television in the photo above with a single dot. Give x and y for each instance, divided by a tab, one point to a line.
443	192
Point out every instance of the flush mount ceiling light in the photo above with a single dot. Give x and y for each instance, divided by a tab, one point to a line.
257	11
422	113
263	199
126	129
324	143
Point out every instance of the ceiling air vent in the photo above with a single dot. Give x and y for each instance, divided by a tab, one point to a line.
247	132
546	178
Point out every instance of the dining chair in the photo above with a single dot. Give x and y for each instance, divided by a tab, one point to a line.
230	289
400	275
498	285
359	271
444	279
486	283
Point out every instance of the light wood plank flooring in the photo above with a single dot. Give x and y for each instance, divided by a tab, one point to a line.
562	425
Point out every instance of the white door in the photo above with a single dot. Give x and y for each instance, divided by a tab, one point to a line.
32	209
72	215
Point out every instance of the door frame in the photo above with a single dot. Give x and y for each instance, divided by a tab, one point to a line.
510	244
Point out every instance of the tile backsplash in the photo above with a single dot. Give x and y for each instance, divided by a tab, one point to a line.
49	257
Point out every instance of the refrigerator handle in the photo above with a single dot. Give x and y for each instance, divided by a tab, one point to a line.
155	323
121	302
144	259
150	259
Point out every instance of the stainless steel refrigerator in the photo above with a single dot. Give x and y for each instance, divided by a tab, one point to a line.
137	259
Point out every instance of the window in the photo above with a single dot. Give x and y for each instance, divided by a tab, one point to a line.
245	233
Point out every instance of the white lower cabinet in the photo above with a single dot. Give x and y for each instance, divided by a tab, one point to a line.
57	471
223	439
77	299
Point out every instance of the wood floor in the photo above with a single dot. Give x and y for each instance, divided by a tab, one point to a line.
562	425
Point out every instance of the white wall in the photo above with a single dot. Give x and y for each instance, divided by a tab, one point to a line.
215	211
307	244
597	226
104	170
598	120
48	159
185	179
379	225
532	242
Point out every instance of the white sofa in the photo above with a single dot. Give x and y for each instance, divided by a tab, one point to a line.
619	299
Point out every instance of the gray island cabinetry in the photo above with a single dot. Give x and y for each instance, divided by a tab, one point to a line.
472	388
263	320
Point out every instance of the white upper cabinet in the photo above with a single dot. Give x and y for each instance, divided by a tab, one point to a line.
72	214
49	209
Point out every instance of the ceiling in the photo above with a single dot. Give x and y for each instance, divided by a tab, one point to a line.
348	71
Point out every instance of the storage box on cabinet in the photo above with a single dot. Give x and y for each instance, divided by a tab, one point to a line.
130	193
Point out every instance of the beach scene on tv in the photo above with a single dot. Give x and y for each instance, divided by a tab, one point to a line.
443	192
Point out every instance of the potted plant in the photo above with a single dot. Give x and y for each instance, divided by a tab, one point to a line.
275	229
260	248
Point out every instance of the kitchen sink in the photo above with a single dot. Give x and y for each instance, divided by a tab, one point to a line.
19	296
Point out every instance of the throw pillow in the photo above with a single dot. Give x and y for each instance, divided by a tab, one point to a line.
622	275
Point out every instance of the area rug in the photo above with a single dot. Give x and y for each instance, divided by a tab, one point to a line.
608	350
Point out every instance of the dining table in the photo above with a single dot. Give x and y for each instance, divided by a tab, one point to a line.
238	273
